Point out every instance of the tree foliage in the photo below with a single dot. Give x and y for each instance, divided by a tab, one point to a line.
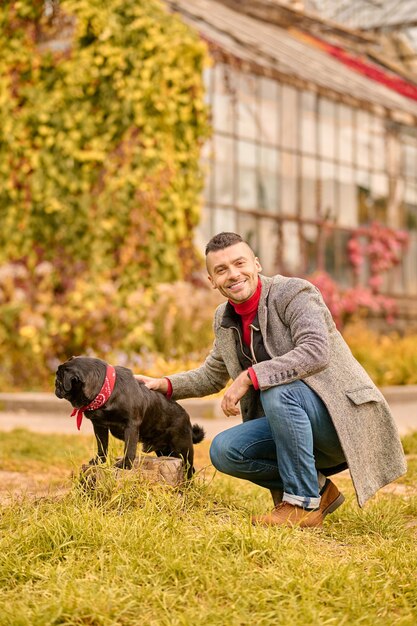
103	117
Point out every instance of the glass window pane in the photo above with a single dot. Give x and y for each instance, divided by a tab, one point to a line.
223	99
379	191
289	110
345	134
208	84
362	139
247	228
330	254
247	193
268	246
269	118
363	197
310	235
291	257
309	187
308	122
223	169
288	183
248	113
204	230
268	179
247	154
378	144
394	155
410	160
327	136
208	191
328	208
347	197
223	220
410	205
336	258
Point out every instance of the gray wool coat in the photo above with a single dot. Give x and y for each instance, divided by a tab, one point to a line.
303	342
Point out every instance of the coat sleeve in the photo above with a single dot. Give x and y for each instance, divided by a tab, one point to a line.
210	378
301	311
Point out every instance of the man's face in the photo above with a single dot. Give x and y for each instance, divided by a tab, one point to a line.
234	272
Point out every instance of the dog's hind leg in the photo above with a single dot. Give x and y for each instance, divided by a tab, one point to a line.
187	456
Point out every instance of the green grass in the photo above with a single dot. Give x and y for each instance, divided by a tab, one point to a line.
410	443
149	555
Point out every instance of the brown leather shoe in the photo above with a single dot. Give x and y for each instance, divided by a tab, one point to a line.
331	498
286	514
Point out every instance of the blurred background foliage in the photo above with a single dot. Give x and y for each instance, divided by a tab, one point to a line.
100	184
100	178
389	358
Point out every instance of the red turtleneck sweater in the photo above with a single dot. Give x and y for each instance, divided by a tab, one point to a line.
247	311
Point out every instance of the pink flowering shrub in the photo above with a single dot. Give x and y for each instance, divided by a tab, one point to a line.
381	247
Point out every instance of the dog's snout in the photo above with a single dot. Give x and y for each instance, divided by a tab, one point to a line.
58	389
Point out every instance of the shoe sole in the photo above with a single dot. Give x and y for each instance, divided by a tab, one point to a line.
334	505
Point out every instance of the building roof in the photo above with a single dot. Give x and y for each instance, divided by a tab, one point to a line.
395	18
371	14
285	52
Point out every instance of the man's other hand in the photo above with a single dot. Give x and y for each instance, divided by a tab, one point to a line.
235	392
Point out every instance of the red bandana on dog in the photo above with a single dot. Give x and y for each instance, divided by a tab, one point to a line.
101	398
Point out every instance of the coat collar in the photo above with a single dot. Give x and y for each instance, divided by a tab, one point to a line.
263	308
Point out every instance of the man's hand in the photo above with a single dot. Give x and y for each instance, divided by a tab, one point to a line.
157	384
235	392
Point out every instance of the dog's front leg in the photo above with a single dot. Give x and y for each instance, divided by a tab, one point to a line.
131	443
102	438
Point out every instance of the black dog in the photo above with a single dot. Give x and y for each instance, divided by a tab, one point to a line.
130	411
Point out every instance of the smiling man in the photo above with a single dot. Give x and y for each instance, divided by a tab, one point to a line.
309	409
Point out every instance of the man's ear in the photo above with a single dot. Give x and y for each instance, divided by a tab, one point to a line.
258	264
211	281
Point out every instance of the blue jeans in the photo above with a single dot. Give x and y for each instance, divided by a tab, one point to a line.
284	449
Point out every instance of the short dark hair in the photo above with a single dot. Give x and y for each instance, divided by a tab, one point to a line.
222	241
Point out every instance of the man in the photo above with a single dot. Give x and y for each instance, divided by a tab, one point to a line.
309	408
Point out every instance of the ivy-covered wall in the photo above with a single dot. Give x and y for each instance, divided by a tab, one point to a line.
102	121
99	143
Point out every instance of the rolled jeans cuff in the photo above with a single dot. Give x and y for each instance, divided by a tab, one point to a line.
305	503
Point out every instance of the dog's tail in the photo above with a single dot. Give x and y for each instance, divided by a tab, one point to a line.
198	433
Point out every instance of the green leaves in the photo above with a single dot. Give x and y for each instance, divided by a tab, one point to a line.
86	129
102	118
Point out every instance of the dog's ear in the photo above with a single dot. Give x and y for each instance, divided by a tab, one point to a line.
71	375
92	379
67	379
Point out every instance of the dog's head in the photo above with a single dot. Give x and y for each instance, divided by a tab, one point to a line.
77	379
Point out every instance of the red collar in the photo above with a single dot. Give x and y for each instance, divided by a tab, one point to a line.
101	398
